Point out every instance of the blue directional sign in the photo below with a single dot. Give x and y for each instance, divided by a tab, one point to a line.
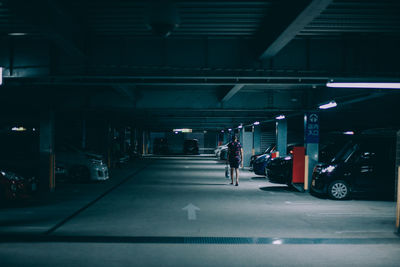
311	128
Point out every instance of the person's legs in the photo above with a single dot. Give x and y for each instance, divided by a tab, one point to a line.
231	175
237	175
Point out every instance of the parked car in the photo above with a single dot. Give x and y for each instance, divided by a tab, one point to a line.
191	146
80	165
221	152
16	187
279	170
19	164
359	168
271	148
260	163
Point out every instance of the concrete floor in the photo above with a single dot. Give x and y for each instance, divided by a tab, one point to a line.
182	211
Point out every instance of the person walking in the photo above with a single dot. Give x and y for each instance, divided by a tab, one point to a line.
235	158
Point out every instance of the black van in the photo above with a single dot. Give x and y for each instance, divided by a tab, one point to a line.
191	146
364	166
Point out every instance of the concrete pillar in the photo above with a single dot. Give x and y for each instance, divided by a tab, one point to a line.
281	137
397	184
257	140
148	142
47	153
311	142
108	143
246	136
134	140
142	142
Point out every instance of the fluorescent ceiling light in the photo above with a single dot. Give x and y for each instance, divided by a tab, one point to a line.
18	129
1	75
17	34
240	126
182	130
229	129
349	132
364	85
331	104
256	123
280	117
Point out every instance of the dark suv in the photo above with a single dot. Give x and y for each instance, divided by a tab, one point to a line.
360	167
191	146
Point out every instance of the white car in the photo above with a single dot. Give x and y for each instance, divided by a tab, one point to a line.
80	165
220	151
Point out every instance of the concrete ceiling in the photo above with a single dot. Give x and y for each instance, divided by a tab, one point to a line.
198	64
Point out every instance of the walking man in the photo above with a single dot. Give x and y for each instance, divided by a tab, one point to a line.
235	158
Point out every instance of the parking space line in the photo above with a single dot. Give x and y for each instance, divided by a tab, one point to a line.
130	176
350	215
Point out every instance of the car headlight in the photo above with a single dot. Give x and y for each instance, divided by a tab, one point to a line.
328	169
10	176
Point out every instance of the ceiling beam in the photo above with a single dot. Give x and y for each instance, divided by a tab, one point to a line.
52	21
313	10
232	92
124	91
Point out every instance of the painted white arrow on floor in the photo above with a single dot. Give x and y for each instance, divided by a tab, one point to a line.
191	209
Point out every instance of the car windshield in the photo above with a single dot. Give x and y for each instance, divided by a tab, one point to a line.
344	154
269	149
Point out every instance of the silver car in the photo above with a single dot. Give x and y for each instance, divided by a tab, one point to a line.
79	165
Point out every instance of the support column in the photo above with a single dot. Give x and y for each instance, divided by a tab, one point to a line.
142	141
397	184
257	140
108	143
246	137
47	153
147	141
281	137
311	142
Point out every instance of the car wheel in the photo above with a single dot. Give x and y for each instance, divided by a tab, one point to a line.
79	174
338	190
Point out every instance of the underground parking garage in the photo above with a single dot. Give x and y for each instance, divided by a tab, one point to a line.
116	118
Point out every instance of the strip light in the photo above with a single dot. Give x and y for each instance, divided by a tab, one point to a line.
349	133
256	123
18	129
364	85
331	104
280	117
182	130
